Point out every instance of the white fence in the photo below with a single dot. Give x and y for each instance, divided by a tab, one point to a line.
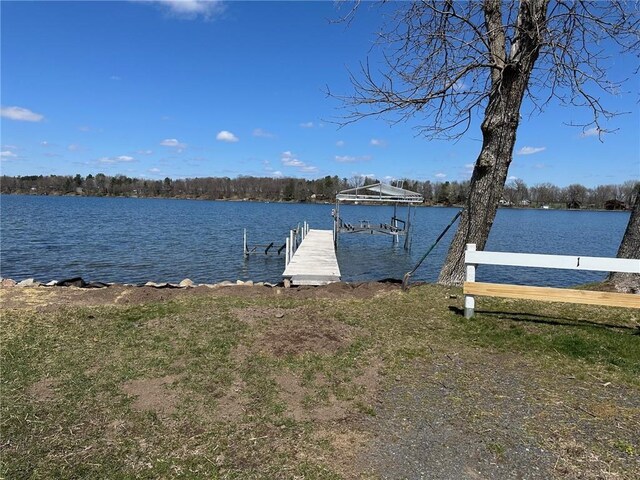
473	258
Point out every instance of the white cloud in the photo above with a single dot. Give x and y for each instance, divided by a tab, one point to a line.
20	114
10	147
44	143
350	159
530	150
376	142
7	154
259	132
290	159
340	143
191	9
115	78
512	177
173	143
277	174
591	132
144	152
114	160
307	125
74	147
225	136
154	170
440	175
460	86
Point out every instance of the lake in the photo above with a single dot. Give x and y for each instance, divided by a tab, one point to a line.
131	240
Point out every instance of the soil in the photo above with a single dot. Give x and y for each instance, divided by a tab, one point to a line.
43	390
51	298
152	394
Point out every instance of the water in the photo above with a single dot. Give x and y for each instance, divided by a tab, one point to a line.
136	240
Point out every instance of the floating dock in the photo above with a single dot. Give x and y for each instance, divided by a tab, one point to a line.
314	262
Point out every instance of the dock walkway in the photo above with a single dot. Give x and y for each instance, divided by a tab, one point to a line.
314	262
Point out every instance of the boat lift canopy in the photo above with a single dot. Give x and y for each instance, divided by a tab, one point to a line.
377	193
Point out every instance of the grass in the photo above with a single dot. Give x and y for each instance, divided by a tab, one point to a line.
262	387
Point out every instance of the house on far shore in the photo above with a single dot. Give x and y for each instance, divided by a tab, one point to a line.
614	205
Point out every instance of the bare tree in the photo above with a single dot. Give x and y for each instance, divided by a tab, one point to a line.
447	62
630	248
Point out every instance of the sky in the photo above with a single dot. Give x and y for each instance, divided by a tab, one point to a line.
155	89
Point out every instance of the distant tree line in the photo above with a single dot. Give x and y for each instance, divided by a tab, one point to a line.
516	192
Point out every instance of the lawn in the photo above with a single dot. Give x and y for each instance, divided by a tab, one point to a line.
360	381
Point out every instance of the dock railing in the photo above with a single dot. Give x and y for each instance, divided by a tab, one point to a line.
474	257
293	241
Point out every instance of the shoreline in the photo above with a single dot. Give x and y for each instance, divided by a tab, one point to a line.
297	202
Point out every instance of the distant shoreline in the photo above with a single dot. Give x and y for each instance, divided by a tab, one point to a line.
296	202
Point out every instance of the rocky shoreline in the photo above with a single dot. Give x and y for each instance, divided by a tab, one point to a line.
78	282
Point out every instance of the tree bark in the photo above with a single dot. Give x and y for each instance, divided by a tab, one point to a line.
629	248
509	81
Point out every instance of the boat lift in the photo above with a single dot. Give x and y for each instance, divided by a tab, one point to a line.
377	194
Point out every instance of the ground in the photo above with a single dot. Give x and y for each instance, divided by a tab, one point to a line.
343	381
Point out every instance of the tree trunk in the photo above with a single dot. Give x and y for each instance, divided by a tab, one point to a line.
509	80
629	248
487	183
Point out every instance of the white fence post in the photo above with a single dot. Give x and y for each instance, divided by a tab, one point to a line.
469	276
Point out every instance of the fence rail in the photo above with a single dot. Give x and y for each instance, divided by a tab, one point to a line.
474	257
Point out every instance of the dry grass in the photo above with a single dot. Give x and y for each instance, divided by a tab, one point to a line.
314	383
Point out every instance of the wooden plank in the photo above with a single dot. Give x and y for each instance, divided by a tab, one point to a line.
315	261
547	294
572	262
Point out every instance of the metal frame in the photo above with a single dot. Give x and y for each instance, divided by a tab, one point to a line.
377	193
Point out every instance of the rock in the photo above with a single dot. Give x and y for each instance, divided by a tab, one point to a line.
29	282
267	284
186	283
72	282
52	283
151	284
226	283
239	282
249	283
259	284
7	282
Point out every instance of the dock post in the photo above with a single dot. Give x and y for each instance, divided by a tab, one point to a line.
244	243
469	276
407	236
287	255
292	245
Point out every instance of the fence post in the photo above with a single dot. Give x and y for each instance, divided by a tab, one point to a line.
469	276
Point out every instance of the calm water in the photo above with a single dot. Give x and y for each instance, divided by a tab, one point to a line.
137	240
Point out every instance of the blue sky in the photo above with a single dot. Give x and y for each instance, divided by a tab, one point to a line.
192	89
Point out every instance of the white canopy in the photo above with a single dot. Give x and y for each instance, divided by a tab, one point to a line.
379	193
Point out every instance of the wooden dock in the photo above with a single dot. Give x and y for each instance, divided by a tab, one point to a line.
314	262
